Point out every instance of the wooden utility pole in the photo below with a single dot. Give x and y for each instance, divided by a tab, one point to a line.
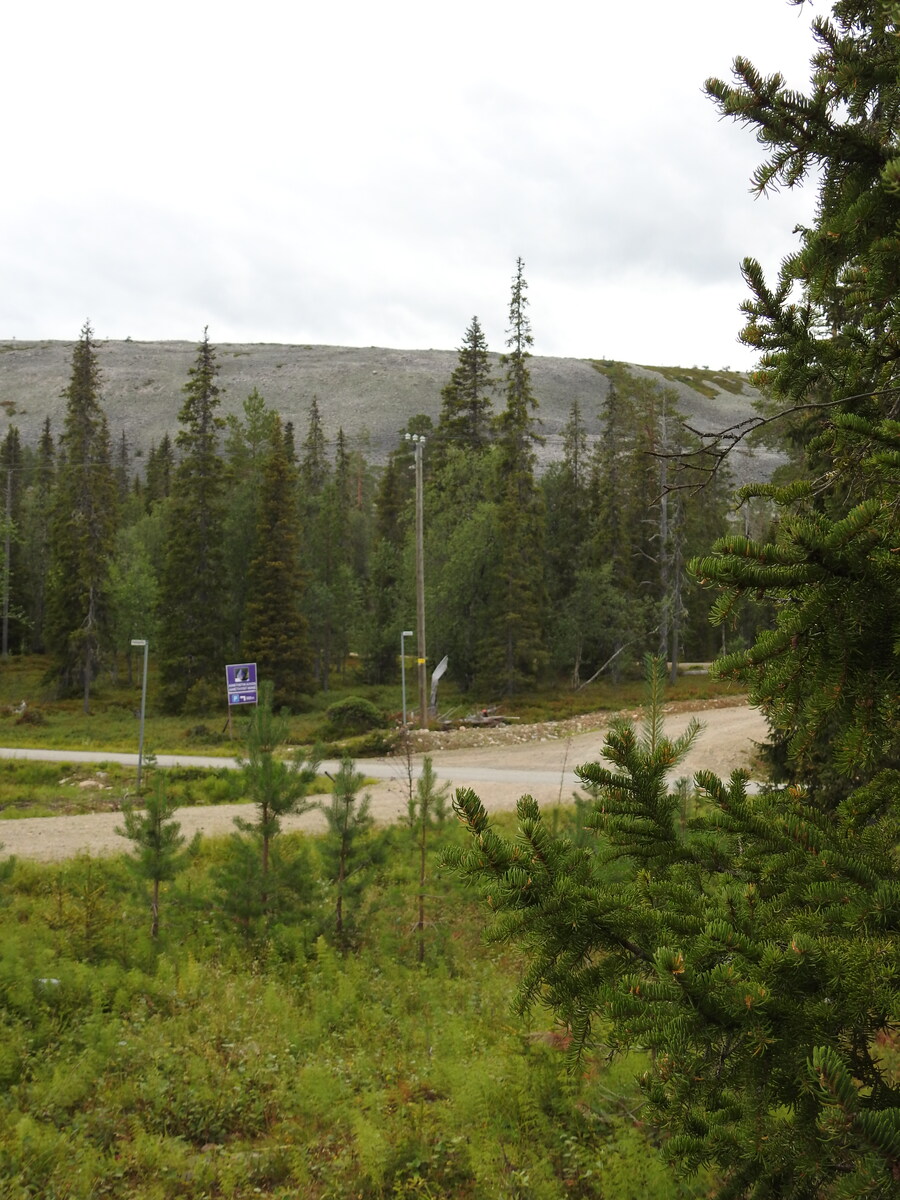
7	550
419	444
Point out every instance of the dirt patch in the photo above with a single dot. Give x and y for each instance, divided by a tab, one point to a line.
499	764
429	740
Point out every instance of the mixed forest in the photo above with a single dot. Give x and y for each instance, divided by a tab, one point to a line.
243	539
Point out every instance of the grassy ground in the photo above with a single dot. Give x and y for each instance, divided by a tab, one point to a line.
113	724
237	1058
44	789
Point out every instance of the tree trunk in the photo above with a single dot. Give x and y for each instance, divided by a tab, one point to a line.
423	815
154	910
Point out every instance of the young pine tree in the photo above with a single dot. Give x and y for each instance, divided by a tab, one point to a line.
159	846
748	948
348	849
427	812
277	788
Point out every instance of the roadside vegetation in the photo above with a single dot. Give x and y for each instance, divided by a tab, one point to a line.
245	1052
43	789
113	723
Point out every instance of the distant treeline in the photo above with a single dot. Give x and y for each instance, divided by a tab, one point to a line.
245	539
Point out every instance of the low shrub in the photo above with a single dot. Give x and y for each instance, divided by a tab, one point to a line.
205	735
352	716
31	716
376	744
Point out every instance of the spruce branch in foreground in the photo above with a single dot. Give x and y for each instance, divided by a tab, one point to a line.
756	954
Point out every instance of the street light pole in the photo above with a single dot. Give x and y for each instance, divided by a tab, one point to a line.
142	642
403	636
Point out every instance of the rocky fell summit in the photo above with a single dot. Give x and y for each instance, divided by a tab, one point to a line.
369	392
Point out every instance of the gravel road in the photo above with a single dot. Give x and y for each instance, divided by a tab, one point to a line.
500	764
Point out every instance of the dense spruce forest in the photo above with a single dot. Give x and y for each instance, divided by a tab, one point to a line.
243	538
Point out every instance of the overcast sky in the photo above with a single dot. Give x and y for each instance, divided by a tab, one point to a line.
367	173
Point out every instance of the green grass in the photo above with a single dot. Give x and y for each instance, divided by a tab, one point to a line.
213	1063
558	704
39	789
113	724
707	382
42	789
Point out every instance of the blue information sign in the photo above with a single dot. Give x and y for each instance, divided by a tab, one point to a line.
240	679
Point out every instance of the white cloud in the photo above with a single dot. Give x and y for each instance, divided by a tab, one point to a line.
362	174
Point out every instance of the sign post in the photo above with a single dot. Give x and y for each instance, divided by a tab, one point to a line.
240	680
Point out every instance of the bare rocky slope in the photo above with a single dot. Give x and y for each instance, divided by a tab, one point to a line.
369	392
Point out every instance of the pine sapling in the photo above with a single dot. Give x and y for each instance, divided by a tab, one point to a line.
429	810
277	787
159	852
348	850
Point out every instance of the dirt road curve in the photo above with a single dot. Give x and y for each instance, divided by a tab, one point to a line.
500	766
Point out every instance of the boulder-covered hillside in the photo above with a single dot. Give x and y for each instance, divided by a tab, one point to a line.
369	392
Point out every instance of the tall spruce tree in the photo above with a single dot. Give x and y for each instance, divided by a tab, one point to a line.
122	469
514	651
614	560
275	633
565	488
387	593
160	469
248	445
290	445
465	417
756	952
461	553
312	508
314	468
614	506
332	597
597	610
82	529
37	508
11	490
193	637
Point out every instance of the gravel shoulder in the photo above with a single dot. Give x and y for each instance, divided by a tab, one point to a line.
501	764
